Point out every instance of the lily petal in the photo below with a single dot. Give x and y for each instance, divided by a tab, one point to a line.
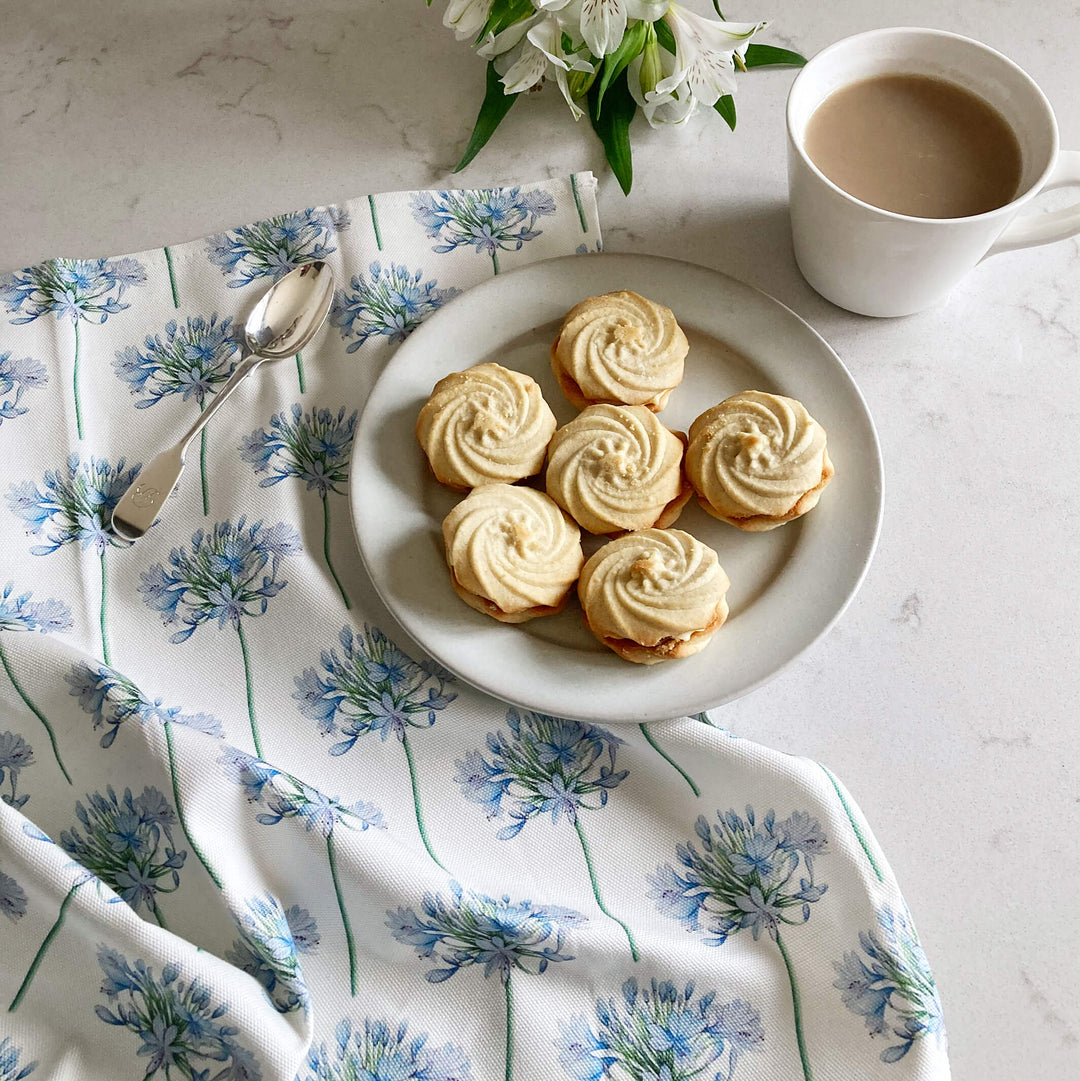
523	68
466	17
497	44
603	23
704	53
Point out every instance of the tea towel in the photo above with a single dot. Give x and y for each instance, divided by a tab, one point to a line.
247	831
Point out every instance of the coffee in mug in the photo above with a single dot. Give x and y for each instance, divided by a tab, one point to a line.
886	214
917	145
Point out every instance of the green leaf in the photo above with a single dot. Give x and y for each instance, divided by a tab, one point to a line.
613	127
715	4
615	63
496	105
504	13
760	56
664	35
725	106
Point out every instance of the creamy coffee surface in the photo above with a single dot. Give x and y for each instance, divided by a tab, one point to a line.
915	145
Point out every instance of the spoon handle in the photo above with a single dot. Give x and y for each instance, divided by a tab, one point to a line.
137	509
243	369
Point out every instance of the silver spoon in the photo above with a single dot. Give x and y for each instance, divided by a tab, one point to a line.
285	319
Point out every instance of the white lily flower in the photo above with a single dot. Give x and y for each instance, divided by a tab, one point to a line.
603	22
539	48
660	107
548	37
704	53
466	17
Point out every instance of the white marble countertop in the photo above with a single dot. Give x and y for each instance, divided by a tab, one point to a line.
947	697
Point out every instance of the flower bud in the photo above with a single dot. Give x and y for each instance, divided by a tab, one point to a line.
651	70
578	82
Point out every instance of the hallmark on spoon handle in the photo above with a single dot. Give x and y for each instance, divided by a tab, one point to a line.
138	507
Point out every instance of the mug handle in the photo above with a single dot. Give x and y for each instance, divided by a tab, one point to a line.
1030	229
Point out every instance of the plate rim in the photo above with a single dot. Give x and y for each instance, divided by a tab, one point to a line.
628	715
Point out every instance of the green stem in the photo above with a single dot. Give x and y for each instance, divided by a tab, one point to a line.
43	949
797	1009
375	222
667	758
596	888
159	917
300	371
326	550
854	825
250	691
75	383
416	799
101	618
495	261
172	278
180	806
202	470
34	710
509	1030
344	913
577	200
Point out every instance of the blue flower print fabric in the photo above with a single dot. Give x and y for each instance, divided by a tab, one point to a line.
248	832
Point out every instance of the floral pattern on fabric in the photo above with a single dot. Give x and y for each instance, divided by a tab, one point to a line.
15	755
111	699
888	984
390	302
19	375
313	447
499	219
12	898
473	929
10	1055
378	1050
75	289
127	842
192	360
269	948
177	1019
546	766
374	687
659	1032
271	248
74	505
222	578
741	874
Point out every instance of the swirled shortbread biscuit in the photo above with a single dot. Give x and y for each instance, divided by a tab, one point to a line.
513	554
758	460
615	468
485	425
654	595
619	348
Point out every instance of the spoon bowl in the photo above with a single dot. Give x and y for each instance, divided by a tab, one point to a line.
290	312
285	319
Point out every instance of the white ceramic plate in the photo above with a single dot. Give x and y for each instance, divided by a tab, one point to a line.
788	586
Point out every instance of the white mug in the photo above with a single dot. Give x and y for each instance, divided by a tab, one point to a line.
876	262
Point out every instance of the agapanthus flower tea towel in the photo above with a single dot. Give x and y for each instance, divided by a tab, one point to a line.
248	832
